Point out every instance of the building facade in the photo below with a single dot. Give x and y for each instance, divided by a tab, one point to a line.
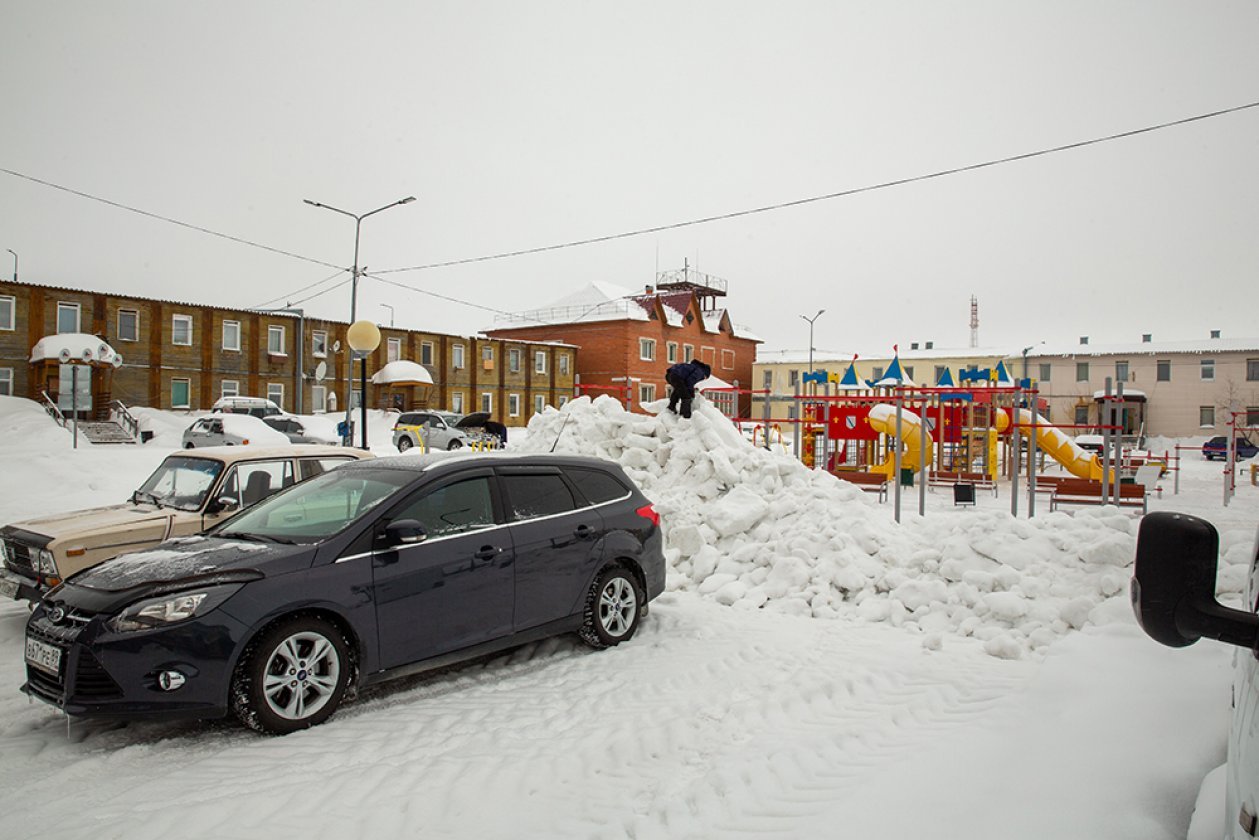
186	356
628	340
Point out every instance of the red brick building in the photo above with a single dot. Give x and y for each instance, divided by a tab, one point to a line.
628	340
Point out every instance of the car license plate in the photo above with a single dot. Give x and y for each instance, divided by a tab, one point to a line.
43	656
8	587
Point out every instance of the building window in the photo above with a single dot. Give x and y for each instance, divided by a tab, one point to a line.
1252	372
318	399
1081	371
128	325
646	393
513	360
688	352
319	343
877	374
6	382
275	340
229	388
456	356
727	359
1045	369
708	355
426	352
767	379
539	361
356	398
647	349
456	402
275	393
181	330
793	378
1121	371
793	411
8	310
563	400
513	405
1208	371
487	402
671	351
1206	416
562	360
487	353
393	349
1164	370
231	335
539	403
68	318
909	372
179	391
1081	415
938	374
1252	415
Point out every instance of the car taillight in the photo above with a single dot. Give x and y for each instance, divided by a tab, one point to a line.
649	512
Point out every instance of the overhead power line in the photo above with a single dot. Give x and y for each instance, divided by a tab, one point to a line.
287	296
827	197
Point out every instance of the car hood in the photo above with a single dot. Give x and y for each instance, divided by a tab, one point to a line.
476	419
176	565
81	523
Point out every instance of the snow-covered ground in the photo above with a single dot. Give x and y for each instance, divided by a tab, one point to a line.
814	670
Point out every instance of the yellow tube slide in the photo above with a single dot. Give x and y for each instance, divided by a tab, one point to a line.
1079	462
916	438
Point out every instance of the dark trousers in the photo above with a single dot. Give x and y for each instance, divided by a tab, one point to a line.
680	391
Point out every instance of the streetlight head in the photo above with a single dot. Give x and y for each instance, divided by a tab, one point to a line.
407	200
312	203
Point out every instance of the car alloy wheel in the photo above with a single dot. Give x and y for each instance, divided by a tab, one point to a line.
293	677
612	608
404	444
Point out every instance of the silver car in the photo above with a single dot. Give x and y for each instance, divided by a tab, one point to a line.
430	429
231	430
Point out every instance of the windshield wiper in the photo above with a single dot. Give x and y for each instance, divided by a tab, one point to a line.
242	535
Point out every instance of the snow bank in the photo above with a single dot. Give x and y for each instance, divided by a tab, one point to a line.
758	530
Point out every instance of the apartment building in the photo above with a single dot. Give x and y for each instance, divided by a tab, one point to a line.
177	355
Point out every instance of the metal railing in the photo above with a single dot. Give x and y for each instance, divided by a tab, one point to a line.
120	415
50	406
691	277
568	314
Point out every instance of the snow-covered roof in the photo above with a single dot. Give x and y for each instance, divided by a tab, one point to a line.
713	383
1127	392
769	357
402	372
76	347
741	331
597	301
1138	348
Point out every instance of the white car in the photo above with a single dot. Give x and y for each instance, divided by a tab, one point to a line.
232	430
1173	594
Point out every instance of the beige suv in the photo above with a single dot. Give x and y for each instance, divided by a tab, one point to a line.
188	493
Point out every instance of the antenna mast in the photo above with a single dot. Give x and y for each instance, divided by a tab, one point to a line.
974	321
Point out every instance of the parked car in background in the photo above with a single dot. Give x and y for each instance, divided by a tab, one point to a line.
255	406
231	430
1217	448
436	430
299	430
374	570
187	493
1173	594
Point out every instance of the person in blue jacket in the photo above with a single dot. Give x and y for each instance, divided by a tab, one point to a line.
682	379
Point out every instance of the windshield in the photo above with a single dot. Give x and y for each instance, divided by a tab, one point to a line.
180	482
317	508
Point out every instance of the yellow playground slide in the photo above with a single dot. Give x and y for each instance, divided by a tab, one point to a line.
1079	462
916	438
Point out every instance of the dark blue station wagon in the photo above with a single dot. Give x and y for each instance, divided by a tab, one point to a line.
374	570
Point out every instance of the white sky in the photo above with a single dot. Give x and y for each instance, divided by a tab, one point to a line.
518	125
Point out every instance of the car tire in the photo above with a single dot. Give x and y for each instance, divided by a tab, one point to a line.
453	445
292	676
613	607
404	444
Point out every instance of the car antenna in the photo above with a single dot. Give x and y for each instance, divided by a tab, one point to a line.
560	432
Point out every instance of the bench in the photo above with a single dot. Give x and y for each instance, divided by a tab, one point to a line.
946	478
867	481
1079	491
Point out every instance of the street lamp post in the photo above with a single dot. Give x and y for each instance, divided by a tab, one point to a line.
811	320
14	253
349	378
363	338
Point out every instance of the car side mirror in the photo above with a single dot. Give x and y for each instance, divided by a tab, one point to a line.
1173	588
404	532
222	504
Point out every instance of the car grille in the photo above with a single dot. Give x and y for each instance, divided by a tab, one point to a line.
91	680
17	558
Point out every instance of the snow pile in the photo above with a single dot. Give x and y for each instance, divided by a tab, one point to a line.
758	530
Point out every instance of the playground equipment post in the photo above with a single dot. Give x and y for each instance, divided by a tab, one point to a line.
896	443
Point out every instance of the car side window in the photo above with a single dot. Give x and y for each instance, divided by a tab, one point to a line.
312	467
462	506
252	482
543	494
596	486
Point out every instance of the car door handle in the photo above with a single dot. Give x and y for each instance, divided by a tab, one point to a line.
583	532
487	552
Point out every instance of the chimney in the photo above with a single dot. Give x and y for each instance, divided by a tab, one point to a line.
1146	338
648	290
1215	333
1084	339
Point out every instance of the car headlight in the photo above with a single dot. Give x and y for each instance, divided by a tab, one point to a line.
5	554
44	563
170	609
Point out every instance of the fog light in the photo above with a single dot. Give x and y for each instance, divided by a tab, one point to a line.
170	680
